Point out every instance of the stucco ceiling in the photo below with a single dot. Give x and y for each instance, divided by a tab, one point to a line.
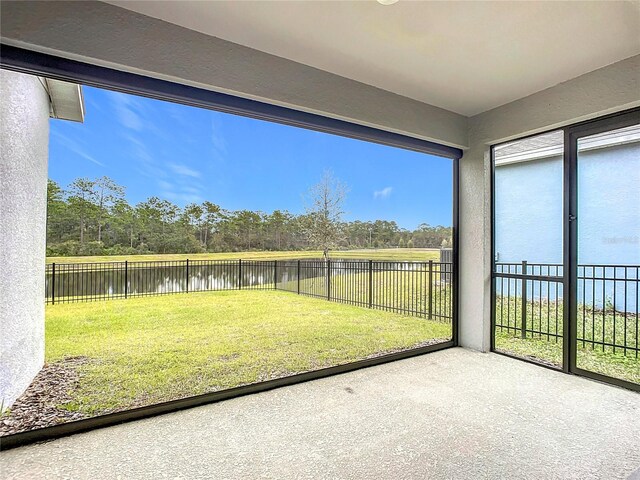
467	57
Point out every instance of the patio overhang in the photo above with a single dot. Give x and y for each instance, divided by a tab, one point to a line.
474	75
571	84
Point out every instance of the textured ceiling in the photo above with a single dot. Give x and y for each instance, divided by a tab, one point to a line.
467	57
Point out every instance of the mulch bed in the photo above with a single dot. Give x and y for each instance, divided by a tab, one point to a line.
37	407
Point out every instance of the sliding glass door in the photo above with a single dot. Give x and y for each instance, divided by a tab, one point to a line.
528	248
605	249
566	248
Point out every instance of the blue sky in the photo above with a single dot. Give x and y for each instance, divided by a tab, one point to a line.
186	154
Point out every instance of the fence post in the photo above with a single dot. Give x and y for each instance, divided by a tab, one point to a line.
328	279
53	284
126	275
298	277
430	288
370	283
240	274
524	300
187	278
275	274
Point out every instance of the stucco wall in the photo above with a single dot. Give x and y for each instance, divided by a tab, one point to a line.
607	90
608	219
24	145
609	208
609	205
529	199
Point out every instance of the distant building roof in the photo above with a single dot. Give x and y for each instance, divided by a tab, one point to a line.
67	101
552	145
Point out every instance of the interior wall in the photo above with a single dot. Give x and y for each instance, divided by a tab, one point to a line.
607	90
110	36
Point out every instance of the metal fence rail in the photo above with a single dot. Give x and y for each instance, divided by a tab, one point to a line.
529	303
76	282
421	289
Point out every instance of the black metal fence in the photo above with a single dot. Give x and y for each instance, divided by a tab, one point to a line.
75	282
529	303
421	289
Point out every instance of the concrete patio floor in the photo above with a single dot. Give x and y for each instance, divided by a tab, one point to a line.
449	414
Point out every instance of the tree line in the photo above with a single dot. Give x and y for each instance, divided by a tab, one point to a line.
93	217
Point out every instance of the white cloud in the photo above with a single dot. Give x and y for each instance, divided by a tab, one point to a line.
384	193
73	146
180	169
181	191
181	198
127	110
165	185
139	152
182	187
194	190
90	158
218	142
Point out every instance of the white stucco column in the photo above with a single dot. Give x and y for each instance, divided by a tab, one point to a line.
475	249
24	145
610	89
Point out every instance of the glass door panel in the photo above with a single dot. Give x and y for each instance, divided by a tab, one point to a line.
528	248
608	253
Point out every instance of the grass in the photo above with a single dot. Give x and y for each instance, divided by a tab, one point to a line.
404	254
148	350
400	290
607	363
592	325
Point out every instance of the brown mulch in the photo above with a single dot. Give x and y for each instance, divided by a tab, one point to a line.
37	407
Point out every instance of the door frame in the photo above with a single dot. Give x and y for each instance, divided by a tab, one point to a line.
570	236
571	134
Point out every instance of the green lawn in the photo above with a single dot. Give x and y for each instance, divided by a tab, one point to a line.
148	350
398	289
595	360
403	254
599	327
